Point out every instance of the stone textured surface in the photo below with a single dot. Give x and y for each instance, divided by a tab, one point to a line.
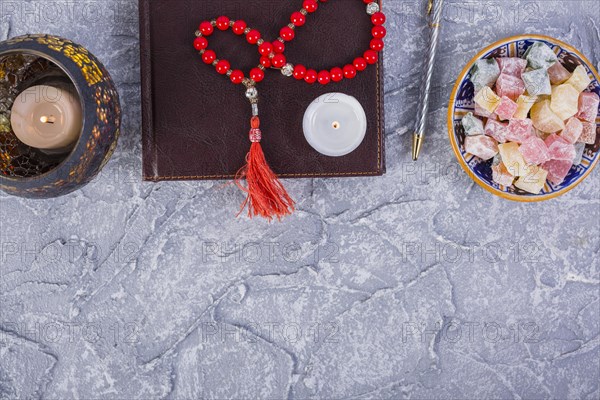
418	284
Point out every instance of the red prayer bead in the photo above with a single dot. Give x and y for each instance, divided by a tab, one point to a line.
299	71
278	46
336	74
287	33
378	18
256	74
209	56
378	32
265	49
223	66
265	61
278	60
377	44
253	36
310	76
310	5
298	19
206	28
223	23
349	71
371	57
360	64
367	1
324	77
237	76
239	27
200	43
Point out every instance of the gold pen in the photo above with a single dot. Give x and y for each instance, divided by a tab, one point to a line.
434	13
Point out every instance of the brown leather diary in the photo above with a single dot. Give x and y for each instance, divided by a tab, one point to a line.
196	122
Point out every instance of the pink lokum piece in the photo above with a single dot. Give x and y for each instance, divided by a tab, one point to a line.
510	86
506	109
559	148
588	135
588	106
481	146
496	129
513	66
572	131
557	170
553	138
501	176
519	129
482	112
534	151
558	74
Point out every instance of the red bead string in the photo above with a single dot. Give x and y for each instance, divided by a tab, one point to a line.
271	53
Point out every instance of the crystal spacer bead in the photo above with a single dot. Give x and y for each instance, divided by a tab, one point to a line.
372	8
251	93
287	70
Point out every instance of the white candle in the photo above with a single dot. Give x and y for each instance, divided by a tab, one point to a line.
335	124
47	117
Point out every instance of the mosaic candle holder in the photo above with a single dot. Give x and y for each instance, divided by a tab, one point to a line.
30	172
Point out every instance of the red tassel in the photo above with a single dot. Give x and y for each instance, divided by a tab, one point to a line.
267	197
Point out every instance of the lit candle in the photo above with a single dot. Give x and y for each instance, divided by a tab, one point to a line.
335	124
47	118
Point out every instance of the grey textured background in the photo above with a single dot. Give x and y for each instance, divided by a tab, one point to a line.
413	285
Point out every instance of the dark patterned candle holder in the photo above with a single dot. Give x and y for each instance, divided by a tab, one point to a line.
29	172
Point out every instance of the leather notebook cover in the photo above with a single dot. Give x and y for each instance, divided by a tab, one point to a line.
196	122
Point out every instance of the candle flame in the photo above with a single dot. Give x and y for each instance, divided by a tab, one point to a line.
47	119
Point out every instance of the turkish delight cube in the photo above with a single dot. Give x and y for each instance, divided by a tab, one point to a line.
553	138
496	129
545	119
481	112
512	158
572	131
588	135
539	55
481	146
534	151
533	180
524	104
484	73
564	101
506	109
559	148
487	99
537	82
472	125
558	74
510	86
513	66
588	106
519	130
579	149
580	79
501	176
557	170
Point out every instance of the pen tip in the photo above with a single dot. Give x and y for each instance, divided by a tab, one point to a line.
417	144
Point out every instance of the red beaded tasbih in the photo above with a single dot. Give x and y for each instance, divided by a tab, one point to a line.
266	196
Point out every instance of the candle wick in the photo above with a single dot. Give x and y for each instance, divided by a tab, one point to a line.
47	119
336	125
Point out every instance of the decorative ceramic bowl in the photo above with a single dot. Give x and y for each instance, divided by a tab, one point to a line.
27	172
461	102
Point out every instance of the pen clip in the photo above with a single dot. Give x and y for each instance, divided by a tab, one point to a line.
429	7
